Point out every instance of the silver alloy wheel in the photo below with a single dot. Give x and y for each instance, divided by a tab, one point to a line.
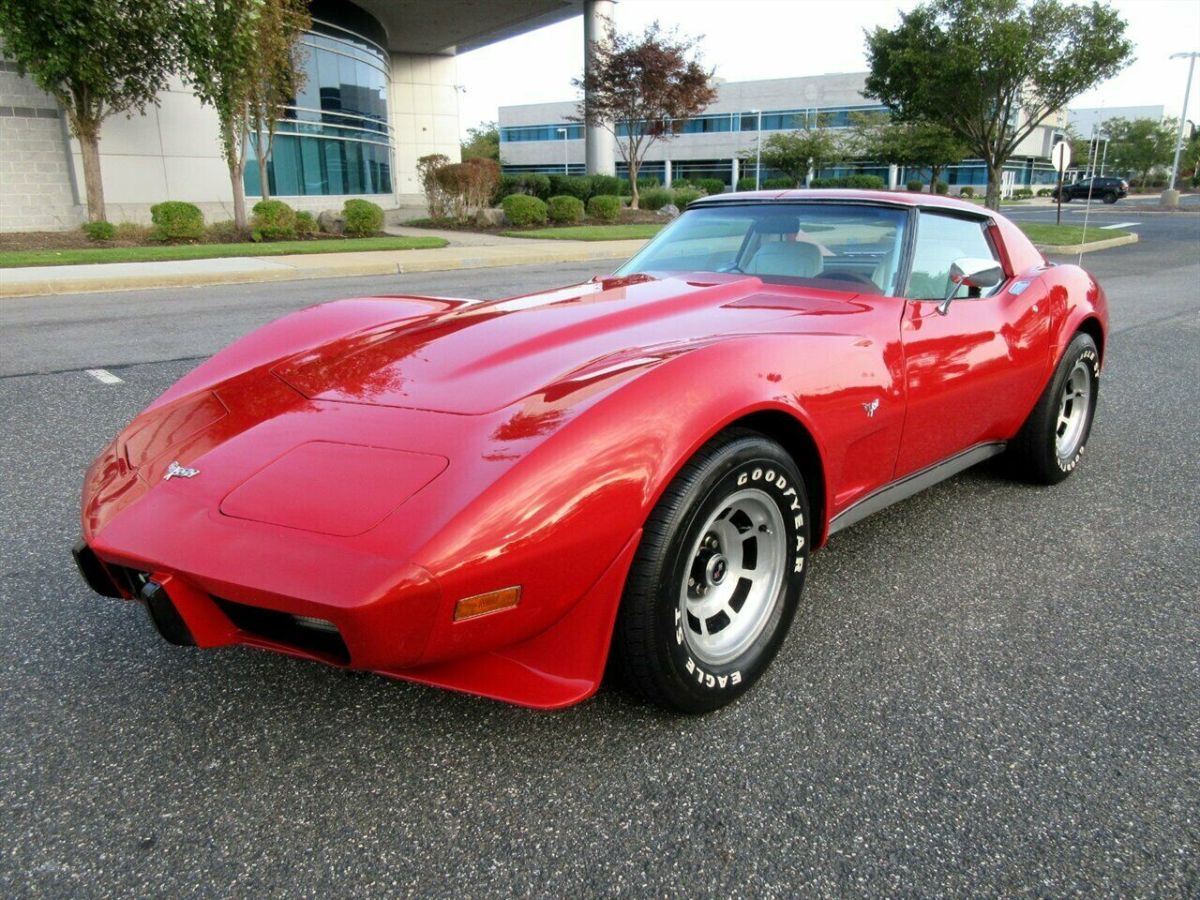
735	577
1073	409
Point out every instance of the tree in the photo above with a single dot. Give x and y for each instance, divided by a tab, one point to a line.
795	153
646	86
991	71
97	58
1140	145
917	144
483	142
278	73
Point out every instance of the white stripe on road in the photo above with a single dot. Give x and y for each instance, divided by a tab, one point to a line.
1119	225
105	376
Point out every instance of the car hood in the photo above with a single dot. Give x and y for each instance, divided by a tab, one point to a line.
481	357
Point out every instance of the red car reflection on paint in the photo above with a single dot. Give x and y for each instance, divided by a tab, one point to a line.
493	496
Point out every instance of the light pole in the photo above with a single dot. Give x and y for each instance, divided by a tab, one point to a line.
566	164
1170	196
758	151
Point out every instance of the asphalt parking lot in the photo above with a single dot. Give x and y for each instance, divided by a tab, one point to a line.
992	689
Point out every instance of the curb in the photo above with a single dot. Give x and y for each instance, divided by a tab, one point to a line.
1090	246
33	287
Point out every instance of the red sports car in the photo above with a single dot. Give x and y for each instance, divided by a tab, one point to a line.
492	496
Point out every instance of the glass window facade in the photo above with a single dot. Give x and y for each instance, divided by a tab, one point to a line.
334	138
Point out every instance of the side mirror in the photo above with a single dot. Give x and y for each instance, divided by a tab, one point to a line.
973	272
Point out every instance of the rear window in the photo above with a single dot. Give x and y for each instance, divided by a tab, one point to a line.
849	247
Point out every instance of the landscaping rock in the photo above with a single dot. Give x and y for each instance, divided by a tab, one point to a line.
490	218
670	211
331	221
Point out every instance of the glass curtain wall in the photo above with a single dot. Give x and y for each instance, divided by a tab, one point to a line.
334	138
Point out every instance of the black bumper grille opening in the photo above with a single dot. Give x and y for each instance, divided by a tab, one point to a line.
303	633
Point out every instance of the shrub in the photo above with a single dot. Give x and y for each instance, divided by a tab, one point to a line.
578	186
915	186
175	220
273	220
941	188
522	209
745	184
606	186
306	224
655	198
223	232
99	231
133	232
606	207
1045	192
778	184
1022	194
862	182
710	186
565	209
684	196
435	198
362	217
468	185
644	184
967	191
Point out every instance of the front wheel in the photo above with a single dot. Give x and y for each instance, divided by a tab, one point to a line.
717	578
1110	197
1050	444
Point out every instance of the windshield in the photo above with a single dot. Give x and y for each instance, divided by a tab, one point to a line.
837	246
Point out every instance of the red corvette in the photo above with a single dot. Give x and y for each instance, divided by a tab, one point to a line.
486	495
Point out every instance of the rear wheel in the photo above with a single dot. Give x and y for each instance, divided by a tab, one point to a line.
1050	444
717	578
1110	197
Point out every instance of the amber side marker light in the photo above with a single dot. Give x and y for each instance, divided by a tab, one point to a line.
483	604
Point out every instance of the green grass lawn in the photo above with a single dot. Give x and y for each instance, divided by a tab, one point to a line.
1063	235
13	258
592	232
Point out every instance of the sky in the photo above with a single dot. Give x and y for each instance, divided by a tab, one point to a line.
752	39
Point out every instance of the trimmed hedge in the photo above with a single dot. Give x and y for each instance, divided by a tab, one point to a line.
175	220
522	209
533	184
606	186
745	184
710	186
655	198
862	182
273	220
306	224
99	231
942	188
1045	192
777	184
915	186
684	196
362	217
564	208
1022	194
606	207
967	191
577	186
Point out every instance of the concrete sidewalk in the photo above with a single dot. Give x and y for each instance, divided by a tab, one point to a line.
40	280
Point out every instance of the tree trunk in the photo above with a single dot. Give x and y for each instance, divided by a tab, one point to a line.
89	146
633	185
934	172
239	196
993	186
262	150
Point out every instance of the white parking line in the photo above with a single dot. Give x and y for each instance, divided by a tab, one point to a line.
1119	225
105	376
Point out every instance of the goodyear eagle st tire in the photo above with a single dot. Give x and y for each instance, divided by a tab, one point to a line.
717	577
1051	443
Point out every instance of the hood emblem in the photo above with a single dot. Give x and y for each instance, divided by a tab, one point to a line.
175	470
869	408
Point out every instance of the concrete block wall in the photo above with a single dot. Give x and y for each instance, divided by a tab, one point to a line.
35	178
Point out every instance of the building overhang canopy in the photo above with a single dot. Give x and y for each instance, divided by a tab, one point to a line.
456	26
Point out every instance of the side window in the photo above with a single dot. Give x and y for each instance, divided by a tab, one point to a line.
941	240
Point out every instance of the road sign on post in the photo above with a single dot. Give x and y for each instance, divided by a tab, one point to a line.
1060	156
